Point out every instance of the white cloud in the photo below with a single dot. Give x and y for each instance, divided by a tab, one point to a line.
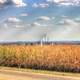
67	21
53	18
44	5
41	5
46	18
13	19
17	3
68	30
24	14
65	2
35	5
77	19
50	0
35	24
2	1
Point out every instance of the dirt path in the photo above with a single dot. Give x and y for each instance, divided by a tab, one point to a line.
18	75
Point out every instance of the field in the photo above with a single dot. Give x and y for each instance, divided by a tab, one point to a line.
60	57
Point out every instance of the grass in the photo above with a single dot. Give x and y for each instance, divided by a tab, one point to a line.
64	58
42	72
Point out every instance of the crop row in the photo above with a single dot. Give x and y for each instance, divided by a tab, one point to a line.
46	57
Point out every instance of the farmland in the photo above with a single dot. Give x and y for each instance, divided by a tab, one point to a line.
60	57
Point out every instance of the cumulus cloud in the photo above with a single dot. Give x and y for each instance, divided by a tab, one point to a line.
41	5
17	3
38	24
35	24
24	14
13	19
53	18
67	21
14	31
46	18
77	19
68	30
2	1
65	2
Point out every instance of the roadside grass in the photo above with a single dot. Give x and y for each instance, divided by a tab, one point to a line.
67	74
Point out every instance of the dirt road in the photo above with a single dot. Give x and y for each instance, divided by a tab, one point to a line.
18	75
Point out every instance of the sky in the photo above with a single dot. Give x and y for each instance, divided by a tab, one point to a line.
39	20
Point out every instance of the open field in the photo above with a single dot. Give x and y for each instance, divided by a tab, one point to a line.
47	57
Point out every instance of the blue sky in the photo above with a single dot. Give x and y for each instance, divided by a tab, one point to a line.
36	20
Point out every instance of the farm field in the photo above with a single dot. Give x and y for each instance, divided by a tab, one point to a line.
60	57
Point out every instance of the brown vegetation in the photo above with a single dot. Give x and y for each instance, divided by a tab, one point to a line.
48	57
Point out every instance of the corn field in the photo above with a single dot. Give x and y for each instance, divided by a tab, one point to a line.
47	57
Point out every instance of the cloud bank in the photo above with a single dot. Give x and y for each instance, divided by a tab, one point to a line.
13	19
65	2
40	5
46	18
17	3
